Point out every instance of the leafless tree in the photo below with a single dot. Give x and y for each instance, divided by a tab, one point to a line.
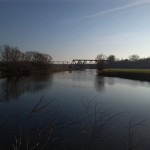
134	57
10	54
18	63
101	57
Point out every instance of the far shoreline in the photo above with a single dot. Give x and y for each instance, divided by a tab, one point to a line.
134	74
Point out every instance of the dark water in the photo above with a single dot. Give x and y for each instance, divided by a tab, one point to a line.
82	111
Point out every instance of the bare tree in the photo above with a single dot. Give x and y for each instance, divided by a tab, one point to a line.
37	57
134	57
111	58
18	63
100	63
10	54
101	57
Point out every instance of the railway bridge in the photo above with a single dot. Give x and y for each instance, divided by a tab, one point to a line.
81	64
79	61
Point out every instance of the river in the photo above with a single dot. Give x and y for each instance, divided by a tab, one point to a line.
81	109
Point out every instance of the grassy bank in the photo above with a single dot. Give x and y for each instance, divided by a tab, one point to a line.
136	74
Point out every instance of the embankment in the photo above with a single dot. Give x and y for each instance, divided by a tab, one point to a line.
135	74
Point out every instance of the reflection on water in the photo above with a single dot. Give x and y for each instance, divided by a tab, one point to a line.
123	81
99	83
12	88
110	81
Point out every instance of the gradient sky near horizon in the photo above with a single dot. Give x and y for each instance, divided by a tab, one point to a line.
69	29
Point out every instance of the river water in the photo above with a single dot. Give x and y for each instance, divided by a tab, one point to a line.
80	109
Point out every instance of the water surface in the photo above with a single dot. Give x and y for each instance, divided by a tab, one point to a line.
79	98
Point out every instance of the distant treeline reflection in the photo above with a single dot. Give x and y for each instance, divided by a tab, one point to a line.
12	88
99	83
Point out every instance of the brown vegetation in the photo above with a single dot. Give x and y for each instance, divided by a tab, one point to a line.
18	63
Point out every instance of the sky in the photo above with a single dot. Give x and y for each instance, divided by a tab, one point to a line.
77	29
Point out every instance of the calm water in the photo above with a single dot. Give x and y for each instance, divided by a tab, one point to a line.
84	110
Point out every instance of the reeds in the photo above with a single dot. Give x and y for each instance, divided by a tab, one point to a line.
92	126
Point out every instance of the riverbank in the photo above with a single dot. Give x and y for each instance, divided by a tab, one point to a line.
4	72
135	74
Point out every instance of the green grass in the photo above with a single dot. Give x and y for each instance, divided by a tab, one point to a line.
143	71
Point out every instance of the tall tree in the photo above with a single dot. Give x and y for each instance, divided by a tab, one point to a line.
134	57
101	57
10	54
111	58
101	62
18	63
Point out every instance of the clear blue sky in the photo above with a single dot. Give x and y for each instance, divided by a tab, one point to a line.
68	29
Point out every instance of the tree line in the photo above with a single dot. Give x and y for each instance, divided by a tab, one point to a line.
132	62
17	62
